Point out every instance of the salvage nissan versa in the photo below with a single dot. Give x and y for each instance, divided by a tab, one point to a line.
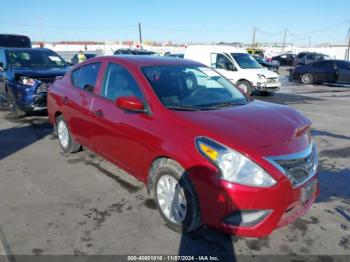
207	154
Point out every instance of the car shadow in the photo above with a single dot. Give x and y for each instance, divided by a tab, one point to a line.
27	130
334	178
287	99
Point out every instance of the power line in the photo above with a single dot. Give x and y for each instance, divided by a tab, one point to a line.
193	30
68	27
325	29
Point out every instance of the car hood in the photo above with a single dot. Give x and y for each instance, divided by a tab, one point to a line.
256	124
40	72
270	64
263	71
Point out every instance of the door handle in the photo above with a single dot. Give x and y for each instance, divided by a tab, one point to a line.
99	113
65	100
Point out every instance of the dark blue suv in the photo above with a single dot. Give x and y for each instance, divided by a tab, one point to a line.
26	74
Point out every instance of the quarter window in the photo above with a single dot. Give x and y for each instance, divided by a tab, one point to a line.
119	82
85	77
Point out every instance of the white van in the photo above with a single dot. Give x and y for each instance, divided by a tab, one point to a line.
236	65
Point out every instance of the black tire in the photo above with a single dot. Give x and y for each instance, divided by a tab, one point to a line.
246	85
307	79
71	146
16	112
192	219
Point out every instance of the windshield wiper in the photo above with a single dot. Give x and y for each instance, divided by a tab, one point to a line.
184	108
224	104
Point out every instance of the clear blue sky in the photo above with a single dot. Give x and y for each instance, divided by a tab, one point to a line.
178	20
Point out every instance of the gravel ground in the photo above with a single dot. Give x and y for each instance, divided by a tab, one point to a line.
55	204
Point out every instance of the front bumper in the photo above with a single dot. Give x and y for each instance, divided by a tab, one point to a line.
30	98
239	210
268	87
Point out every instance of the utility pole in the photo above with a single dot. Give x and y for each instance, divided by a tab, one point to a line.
347	53
140	35
284	39
309	41
254	31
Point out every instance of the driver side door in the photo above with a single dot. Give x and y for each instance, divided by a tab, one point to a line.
120	136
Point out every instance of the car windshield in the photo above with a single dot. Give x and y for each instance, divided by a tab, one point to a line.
245	61
192	88
34	59
259	59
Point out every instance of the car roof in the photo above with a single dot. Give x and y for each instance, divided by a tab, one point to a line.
142	60
25	49
217	48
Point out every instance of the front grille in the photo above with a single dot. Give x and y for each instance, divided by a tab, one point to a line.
299	167
44	85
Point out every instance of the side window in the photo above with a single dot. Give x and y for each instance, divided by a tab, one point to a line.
300	55
119	82
85	77
343	65
220	61
75	76
316	64
311	57
327	64
2	59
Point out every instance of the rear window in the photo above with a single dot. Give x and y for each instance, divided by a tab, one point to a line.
85	77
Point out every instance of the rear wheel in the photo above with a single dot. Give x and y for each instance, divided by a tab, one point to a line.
307	79
175	198
64	137
245	86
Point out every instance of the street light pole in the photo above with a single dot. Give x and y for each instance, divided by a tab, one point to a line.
284	39
140	35
253	43
348	49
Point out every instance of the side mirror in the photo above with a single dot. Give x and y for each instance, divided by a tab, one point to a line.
130	103
2	69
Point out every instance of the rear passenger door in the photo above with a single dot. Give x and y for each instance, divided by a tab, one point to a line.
324	71
343	68
79	100
2	73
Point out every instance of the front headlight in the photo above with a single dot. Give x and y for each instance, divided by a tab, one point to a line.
262	78
234	166
27	81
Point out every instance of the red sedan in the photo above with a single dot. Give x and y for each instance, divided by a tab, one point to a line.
207	154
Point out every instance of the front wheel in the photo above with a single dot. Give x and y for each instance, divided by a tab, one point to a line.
65	139
16	111
175	198
245	86
307	79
